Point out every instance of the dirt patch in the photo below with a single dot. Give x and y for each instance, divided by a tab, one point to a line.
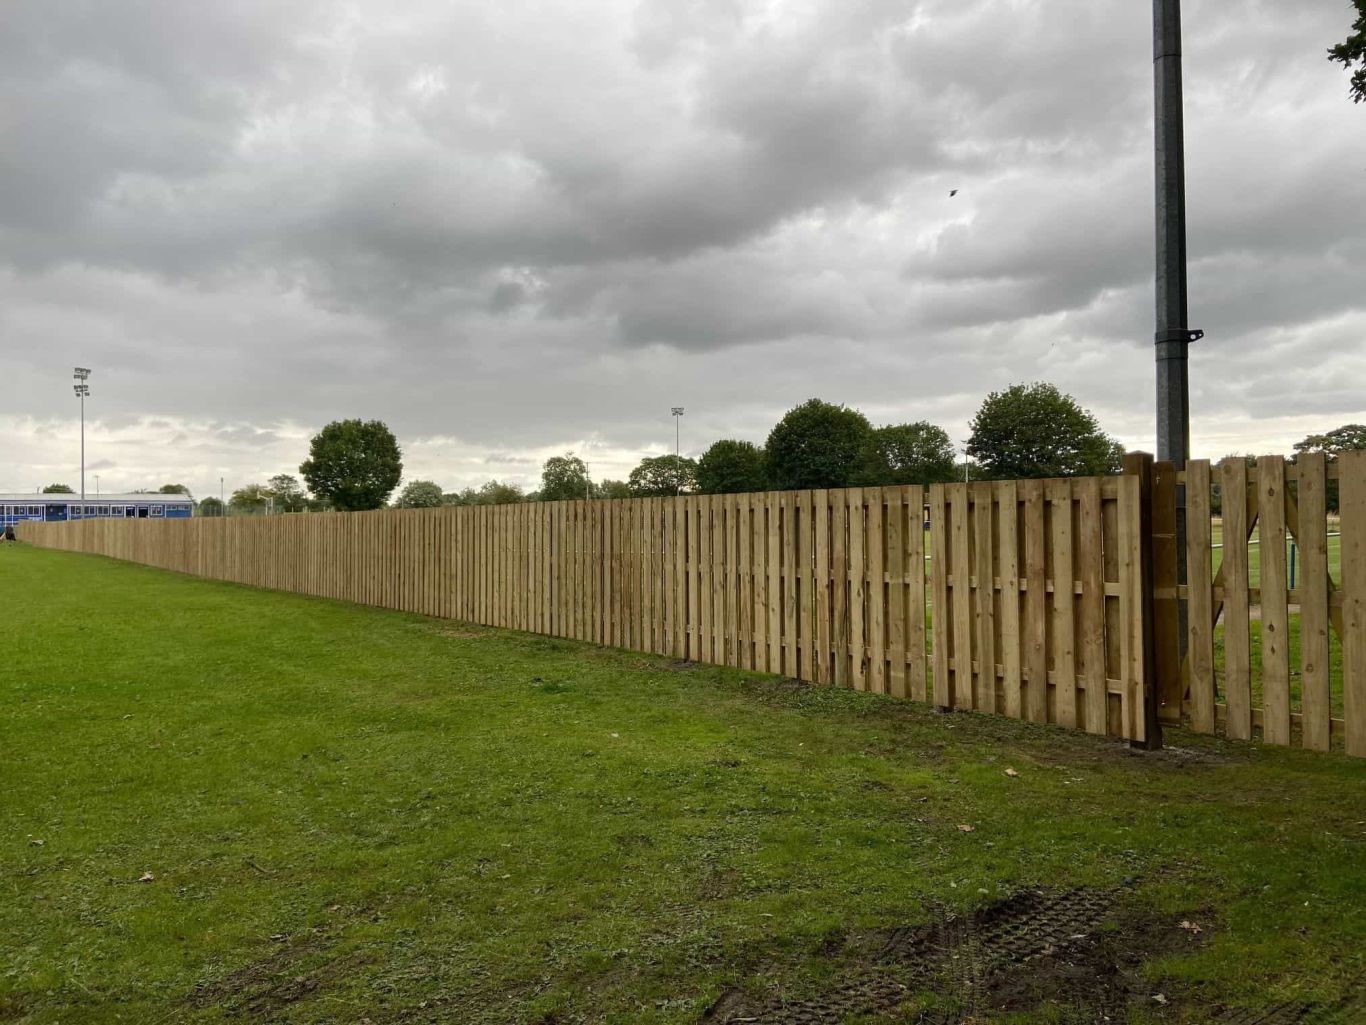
1078	951
261	988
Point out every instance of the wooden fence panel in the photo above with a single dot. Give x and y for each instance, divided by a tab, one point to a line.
1037	598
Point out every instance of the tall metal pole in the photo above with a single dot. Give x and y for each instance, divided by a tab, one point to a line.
678	455
81	375
1173	334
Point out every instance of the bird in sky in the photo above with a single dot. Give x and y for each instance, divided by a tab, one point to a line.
952	193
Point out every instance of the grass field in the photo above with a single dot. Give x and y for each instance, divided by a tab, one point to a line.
224	804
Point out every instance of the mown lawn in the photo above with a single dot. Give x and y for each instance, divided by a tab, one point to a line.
349	815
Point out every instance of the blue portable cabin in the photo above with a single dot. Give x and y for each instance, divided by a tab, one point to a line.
16	508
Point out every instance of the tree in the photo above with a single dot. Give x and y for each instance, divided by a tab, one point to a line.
564	478
1037	431
613	489
917	453
420	494
288	493
490	493
1341	439
500	493
210	507
174	489
251	498
660	476
59	489
730	467
1353	51
1348	437
355	464
817	445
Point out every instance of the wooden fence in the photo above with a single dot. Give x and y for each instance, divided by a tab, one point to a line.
1038	592
825	586
1277	641
1058	601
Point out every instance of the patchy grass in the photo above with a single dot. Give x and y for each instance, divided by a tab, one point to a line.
351	814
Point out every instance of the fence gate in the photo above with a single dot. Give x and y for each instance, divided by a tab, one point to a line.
1039	608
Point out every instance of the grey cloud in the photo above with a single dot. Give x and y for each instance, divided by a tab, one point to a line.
521	229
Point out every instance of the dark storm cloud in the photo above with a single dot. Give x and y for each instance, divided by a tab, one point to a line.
510	229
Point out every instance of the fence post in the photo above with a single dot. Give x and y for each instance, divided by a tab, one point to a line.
1140	465
1167	555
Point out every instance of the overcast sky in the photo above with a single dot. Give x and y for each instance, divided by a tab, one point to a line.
513	228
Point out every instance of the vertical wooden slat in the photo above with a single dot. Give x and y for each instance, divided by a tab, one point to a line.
917	675
1352	507
1132	597
1091	620
745	569
875	503
839	587
1034	628
1200	596
773	594
984	596
820	584
1313	586
939	602
759	570
678	528
1237	635
806	574
1063	634
960	530
789	583
1166	610
858	571
896	589
1275	614
706	578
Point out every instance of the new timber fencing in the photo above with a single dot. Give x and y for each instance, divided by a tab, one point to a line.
1038	599
1080	602
1260	653
825	586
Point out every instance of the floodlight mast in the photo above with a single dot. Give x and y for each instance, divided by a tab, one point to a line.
678	460
1173	333
81	375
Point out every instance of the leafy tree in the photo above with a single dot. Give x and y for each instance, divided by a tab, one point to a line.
500	493
491	493
564	478
613	489
174	489
210	507
660	476
354	464
917	453
251	498
420	494
818	445
1341	439
1037	431
730	467
288	493
1353	51
59	489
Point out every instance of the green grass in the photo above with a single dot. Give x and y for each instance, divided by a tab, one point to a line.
428	822
1254	556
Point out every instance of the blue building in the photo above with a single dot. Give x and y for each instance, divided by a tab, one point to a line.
61	508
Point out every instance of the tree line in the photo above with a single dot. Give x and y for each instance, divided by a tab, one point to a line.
1024	431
